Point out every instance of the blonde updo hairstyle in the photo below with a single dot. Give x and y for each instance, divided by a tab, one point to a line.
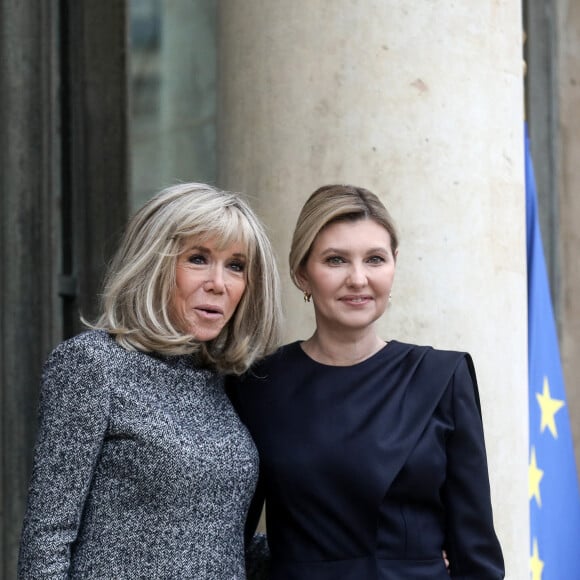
330	204
139	287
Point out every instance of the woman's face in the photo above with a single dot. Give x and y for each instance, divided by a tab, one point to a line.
350	273
209	286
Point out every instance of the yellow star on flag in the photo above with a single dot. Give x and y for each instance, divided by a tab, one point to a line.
536	565
535	475
549	408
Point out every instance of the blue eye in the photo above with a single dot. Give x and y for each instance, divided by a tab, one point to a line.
334	260
237	266
197	259
376	260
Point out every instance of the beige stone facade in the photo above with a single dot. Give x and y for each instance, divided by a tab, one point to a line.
420	102
569	187
425	108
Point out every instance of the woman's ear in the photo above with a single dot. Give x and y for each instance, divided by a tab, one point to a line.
302	280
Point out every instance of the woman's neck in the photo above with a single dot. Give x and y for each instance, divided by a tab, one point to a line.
340	350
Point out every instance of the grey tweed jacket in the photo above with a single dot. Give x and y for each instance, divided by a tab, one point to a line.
142	469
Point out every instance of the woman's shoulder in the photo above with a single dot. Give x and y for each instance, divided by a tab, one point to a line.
445	373
89	341
91	347
430	352
431	363
284	354
75	371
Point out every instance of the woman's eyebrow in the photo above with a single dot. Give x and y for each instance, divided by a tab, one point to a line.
205	250
198	248
348	251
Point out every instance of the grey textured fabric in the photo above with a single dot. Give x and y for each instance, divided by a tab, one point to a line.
142	469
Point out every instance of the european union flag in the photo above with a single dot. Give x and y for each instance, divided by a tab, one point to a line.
553	483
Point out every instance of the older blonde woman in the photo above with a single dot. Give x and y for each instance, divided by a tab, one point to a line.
142	468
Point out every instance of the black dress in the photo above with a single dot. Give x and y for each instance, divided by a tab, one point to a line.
370	470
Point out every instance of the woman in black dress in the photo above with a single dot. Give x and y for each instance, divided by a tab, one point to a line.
372	452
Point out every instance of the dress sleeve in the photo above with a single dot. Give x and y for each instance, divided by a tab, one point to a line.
232	386
471	543
257	551
73	417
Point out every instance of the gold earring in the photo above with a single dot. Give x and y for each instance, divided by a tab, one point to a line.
307	296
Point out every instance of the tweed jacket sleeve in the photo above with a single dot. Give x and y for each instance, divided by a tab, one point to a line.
73	417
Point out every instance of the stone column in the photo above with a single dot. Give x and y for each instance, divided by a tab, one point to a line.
423	106
30	316
62	201
569	182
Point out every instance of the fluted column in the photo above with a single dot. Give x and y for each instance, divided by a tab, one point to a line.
569	182
423	105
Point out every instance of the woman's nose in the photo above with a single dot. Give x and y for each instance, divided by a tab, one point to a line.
215	282
356	276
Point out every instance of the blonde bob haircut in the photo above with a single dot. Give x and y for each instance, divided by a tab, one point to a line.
139	287
330	204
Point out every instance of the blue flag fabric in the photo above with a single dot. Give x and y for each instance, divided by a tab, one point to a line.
553	483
